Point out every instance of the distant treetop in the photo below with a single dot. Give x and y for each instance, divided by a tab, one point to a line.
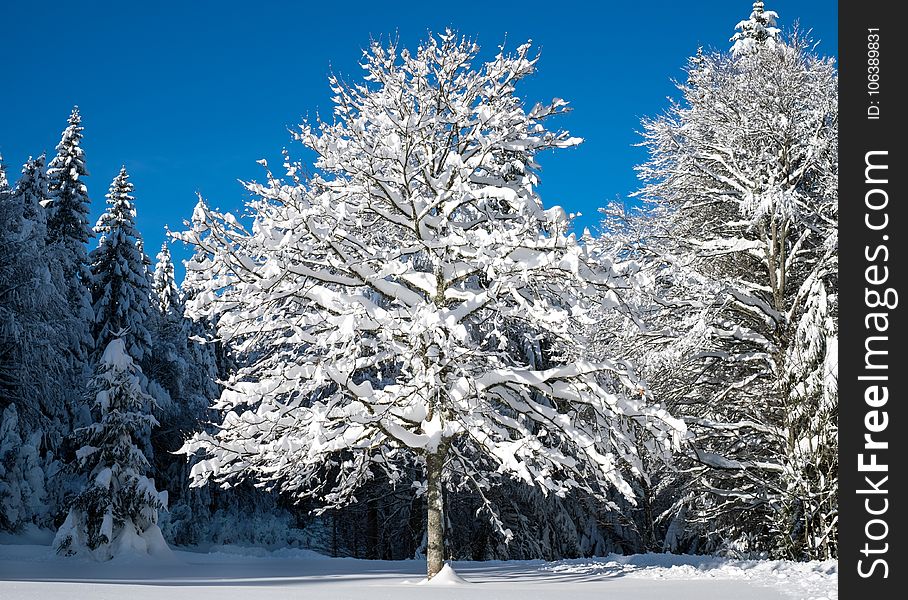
758	30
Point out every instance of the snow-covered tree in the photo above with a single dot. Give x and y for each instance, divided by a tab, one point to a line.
117	512
168	363
38	305
184	360
660	329
757	31
745	172
33	369
206	354
4	181
9	219
170	366
121	291
209	356
164	285
32	194
23	477
68	233
414	305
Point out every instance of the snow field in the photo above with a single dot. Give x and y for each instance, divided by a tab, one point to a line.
34	572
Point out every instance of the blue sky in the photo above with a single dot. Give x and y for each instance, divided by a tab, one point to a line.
188	95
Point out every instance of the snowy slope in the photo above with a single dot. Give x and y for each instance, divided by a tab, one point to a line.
32	572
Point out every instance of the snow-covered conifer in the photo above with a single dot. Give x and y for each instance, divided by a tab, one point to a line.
35	337
169	363
4	181
68	233
165	288
32	193
121	291
413	304
758	30
117	512
745	173
33	368
205	357
10	217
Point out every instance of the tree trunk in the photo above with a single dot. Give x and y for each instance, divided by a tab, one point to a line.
435	552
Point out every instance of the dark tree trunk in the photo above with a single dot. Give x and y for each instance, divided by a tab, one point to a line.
435	552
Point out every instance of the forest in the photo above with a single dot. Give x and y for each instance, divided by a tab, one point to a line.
399	351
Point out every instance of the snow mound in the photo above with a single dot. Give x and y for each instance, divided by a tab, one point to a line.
447	576
131	546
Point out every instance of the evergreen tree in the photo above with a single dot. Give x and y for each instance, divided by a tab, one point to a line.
9	219
38	304
117	511
33	371
121	292
165	288
68	233
168	366
745	174
4	182
186	367
758	30
168	363
208	357
33	193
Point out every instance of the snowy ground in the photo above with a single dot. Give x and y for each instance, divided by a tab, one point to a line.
30	571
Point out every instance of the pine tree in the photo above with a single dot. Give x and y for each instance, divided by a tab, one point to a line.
33	193
12	377
121	291
207	355
165	288
758	30
4	182
34	380
117	511
206	359
68	233
38	305
9	220
168	364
